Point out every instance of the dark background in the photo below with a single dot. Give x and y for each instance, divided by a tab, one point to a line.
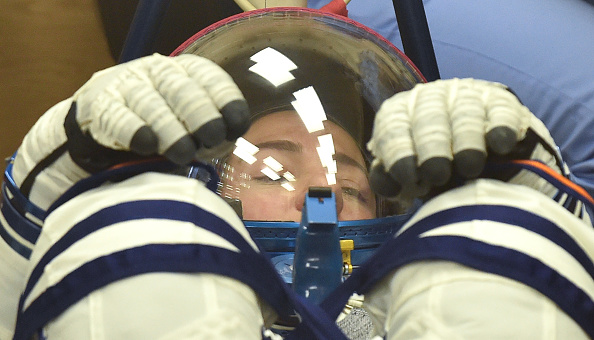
182	19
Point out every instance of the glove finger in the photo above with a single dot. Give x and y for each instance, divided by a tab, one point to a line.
174	142
501	139
222	90
182	151
432	134
406	172
436	171
381	182
399	182
391	139
189	102
144	141
468	117
507	119
237	116
470	163
392	145
116	126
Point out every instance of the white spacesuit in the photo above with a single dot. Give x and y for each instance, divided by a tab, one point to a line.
131	249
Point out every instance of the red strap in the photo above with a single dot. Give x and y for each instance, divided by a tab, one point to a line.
336	7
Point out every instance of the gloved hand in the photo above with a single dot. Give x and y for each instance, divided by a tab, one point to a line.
445	131
153	106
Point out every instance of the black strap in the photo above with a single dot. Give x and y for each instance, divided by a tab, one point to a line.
47	161
86	152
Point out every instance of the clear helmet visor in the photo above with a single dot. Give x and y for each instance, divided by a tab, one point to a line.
313	82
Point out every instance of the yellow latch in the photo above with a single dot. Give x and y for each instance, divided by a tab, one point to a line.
345	247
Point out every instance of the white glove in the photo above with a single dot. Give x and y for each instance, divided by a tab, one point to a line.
156	105
444	131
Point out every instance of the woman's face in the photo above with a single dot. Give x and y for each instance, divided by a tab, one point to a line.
278	194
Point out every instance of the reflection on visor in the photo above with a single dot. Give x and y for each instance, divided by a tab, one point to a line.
273	164
310	109
313	83
245	150
273	169
278	159
273	66
262	171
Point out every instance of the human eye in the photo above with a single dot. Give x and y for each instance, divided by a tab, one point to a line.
269	176
267	179
354	193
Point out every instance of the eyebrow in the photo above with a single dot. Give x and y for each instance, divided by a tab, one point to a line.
347	160
282	145
285	145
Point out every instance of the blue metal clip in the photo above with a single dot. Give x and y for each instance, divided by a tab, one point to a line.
318	260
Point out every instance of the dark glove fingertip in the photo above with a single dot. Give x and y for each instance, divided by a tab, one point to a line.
405	170
436	171
182	151
237	118
212	133
469	163
501	139
382	183
145	142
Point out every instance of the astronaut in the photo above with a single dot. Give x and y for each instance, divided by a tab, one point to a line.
129	249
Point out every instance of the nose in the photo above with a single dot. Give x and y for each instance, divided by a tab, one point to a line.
304	188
